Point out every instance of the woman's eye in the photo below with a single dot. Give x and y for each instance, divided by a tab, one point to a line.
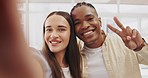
48	29
62	29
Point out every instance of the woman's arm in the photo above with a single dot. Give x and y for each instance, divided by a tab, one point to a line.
16	60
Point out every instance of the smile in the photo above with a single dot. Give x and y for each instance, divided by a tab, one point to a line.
87	33
54	43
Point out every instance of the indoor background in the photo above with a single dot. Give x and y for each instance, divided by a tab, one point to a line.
133	13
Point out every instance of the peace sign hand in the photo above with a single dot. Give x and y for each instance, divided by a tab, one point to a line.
131	37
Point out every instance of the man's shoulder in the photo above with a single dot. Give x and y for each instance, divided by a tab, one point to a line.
112	37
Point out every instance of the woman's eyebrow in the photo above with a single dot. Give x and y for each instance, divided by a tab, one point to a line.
48	26
62	26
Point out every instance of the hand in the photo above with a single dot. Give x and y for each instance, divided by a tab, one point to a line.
131	37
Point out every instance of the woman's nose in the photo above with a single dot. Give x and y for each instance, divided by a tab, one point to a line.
54	35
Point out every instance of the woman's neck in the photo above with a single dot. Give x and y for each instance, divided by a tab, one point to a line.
61	59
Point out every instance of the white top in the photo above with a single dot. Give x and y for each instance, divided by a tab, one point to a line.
66	72
95	62
46	68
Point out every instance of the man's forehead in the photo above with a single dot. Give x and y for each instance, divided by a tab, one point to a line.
83	11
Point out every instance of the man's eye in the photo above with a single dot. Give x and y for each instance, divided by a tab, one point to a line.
76	23
89	19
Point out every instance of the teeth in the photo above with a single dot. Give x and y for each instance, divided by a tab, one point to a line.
54	42
87	32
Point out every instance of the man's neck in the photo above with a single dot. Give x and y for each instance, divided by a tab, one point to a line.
97	43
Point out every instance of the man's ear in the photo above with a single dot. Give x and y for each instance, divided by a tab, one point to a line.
100	22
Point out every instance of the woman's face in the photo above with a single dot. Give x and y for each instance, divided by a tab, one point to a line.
57	33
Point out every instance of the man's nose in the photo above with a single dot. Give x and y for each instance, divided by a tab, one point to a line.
85	25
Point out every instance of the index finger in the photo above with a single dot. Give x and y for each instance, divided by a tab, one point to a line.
119	23
113	29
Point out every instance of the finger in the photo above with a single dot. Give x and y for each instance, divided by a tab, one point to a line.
128	38
129	31
129	43
113	29
134	33
119	23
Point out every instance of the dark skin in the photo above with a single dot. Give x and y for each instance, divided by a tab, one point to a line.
88	26
87	20
131	37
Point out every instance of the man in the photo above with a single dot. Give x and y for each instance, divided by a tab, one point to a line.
108	55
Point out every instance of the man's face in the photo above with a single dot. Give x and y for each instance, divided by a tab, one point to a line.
87	24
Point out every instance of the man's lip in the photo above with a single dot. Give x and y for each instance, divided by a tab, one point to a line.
88	32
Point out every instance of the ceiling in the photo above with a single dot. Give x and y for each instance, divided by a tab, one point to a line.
132	2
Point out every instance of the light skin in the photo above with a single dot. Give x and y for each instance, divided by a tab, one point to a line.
88	29
57	34
16	60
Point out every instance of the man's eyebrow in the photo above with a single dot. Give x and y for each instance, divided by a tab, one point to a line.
89	15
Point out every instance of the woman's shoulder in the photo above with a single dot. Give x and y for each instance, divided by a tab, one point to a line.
35	51
40	57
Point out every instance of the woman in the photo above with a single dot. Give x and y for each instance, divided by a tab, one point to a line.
61	52
60	47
